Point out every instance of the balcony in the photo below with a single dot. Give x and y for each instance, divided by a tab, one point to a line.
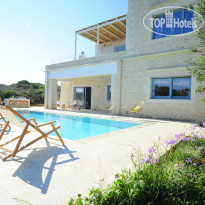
88	60
109	36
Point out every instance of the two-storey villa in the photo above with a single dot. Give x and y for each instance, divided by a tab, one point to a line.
132	64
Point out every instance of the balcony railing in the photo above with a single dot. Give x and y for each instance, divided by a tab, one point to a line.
89	60
85	54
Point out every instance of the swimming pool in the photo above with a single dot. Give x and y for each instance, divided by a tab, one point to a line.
76	127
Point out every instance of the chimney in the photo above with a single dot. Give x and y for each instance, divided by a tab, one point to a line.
82	55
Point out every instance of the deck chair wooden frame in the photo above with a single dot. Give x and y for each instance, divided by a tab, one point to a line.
11	116
3	118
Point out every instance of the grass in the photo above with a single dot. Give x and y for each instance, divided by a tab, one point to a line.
176	177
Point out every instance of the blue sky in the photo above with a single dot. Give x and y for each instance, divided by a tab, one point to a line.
33	32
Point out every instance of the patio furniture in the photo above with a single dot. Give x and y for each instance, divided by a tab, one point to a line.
71	104
80	104
1	102
15	118
62	105
107	106
3	118
136	108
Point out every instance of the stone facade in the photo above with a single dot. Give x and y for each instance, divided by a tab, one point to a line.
143	60
108	48
16	103
164	57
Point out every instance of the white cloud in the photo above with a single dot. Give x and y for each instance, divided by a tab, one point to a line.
28	25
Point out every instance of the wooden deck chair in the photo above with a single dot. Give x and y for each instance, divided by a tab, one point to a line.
1	101
3	118
12	116
136	108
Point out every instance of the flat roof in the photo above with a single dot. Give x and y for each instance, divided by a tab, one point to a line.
110	30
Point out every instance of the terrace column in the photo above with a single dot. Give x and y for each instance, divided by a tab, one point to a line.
66	92
46	91
116	84
98	36
51	94
76	35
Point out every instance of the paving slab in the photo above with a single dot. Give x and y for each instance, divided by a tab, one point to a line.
48	173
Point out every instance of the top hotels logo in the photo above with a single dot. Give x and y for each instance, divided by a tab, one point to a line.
172	21
169	18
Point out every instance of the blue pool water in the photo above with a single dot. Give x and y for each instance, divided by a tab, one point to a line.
76	127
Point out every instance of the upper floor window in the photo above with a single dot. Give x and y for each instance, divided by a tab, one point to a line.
108	92
168	88
119	48
177	24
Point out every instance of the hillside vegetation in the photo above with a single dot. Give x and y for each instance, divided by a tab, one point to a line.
32	91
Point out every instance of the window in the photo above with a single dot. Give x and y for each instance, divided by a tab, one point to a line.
168	88
119	48
188	15
173	26
108	92
161	87
158	29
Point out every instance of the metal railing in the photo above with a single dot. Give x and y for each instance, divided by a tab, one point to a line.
71	57
18	105
87	54
11	105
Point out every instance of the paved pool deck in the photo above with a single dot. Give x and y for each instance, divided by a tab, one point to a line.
48	173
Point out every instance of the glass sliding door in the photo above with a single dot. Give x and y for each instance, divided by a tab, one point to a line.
83	96
79	94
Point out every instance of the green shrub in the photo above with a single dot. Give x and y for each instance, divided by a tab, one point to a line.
177	177
33	91
8	93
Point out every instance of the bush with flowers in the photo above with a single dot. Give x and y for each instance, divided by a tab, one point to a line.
171	172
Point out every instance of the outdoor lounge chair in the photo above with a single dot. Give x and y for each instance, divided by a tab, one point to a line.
71	104
3	118
1	102
18	120
107	106
80	104
136	108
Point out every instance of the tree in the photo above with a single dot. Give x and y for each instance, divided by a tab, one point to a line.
8	93
198	63
32	91
23	83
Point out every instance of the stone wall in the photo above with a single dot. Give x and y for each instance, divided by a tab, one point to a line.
147	59
136	86
108	48
19	103
139	39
